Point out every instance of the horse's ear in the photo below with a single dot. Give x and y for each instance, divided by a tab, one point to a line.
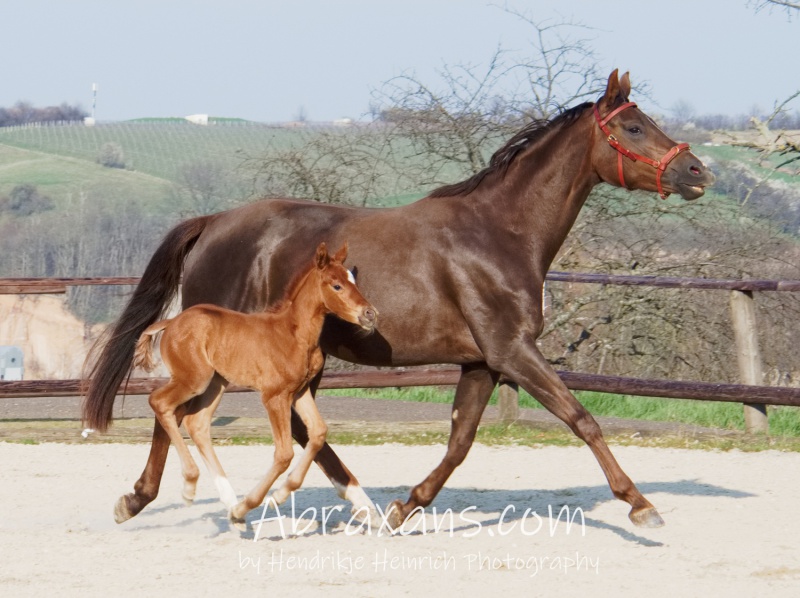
625	85
341	255
322	259
612	91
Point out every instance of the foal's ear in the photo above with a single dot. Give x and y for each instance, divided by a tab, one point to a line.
341	255
322	259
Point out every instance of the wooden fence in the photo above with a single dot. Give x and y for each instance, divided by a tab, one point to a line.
752	394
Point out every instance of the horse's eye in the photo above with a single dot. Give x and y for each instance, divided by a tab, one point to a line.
337	287
634	130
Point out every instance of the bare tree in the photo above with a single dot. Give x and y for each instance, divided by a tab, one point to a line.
351	165
208	186
786	5
453	127
561	68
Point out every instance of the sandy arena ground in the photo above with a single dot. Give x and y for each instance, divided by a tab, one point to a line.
732	527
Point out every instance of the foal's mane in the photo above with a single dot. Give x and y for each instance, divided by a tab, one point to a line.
291	289
532	133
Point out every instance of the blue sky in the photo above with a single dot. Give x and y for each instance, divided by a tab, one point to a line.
265	59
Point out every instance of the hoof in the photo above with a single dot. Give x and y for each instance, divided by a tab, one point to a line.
240	523
647	517
394	514
121	511
366	515
187	500
237	516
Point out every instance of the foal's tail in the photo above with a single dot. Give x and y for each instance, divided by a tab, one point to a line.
111	356
143	354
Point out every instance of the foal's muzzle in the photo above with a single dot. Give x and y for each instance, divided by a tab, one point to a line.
368	318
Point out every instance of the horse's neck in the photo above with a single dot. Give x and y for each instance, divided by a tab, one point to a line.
545	188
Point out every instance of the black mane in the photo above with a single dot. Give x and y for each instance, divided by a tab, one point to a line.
502	158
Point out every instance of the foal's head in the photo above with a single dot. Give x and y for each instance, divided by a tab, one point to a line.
340	295
632	151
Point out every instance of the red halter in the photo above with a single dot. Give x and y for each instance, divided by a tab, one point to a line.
659	165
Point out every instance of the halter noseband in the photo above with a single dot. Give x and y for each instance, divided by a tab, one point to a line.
659	165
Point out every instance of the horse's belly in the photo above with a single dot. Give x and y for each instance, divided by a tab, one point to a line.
404	344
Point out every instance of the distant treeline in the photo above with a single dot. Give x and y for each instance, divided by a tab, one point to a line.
23	113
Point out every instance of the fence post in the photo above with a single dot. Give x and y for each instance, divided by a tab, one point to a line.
508	401
743	316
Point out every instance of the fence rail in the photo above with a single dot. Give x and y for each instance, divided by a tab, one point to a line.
752	395
705	391
40	285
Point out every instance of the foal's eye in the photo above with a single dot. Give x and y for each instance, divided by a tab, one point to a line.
337	287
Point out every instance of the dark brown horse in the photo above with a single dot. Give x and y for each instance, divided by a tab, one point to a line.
275	352
456	276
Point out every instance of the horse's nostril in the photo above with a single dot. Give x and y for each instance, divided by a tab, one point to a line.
694	170
369	314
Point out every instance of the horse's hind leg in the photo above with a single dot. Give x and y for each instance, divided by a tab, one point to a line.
306	408
472	394
197	422
146	487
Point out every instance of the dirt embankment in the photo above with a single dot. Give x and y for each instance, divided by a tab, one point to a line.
54	342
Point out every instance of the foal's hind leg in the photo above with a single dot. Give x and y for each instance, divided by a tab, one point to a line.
197	422
164	401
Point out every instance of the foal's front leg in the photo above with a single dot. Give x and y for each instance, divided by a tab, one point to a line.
306	408
343	480
278	407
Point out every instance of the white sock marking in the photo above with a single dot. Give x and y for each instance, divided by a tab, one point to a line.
226	492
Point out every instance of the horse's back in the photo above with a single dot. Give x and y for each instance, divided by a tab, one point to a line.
402	259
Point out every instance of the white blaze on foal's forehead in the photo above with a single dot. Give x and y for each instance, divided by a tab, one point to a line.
350	277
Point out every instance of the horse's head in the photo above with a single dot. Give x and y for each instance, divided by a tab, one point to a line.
340	295
633	152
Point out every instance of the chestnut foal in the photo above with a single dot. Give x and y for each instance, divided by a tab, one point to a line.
276	352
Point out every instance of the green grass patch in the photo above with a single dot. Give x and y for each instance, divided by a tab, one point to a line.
784	421
522	435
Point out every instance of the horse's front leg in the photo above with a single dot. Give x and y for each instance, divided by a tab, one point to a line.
278	407
472	394
531	370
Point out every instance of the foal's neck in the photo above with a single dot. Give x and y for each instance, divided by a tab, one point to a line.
305	310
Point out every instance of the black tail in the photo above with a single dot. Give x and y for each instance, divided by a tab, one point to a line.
103	374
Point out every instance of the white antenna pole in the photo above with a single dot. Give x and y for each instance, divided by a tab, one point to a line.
94	99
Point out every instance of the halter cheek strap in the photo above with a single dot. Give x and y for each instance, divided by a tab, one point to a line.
659	165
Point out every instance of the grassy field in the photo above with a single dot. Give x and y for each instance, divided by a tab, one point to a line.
68	180
783	421
159	147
